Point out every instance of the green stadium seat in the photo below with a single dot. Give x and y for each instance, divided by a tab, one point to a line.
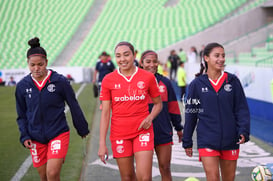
54	24
150	25
269	46
145	23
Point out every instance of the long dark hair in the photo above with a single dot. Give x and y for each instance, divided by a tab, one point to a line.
35	48
207	50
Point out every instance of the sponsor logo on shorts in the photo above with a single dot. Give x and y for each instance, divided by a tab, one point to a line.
234	152
209	150
120	148
119	142
55	146
144	139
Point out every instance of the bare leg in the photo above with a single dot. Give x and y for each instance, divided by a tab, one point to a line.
53	169
126	168
164	154
211	167
228	169
42	172
144	163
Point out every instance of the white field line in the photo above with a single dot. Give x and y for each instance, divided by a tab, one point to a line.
27	163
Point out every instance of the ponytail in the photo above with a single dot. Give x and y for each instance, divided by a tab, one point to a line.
204	64
203	67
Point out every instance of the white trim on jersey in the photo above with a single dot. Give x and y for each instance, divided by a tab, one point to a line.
128	80
218	80
42	83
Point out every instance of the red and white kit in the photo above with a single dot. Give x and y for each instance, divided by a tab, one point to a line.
129	101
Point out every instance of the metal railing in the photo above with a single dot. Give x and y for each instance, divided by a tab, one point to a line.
265	62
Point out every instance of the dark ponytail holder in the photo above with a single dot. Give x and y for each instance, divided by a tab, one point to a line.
203	67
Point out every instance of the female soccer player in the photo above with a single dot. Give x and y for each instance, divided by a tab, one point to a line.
40	103
169	116
126	91
216	103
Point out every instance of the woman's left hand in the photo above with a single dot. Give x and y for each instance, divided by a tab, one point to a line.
146	123
85	136
188	152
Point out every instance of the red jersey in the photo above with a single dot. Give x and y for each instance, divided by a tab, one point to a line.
216	84
129	97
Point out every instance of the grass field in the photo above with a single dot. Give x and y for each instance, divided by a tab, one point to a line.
13	153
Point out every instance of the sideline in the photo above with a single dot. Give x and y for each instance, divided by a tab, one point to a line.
28	162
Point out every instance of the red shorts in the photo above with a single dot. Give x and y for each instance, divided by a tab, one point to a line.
127	147
56	148
164	144
223	154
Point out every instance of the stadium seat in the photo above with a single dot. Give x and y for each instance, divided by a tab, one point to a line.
54	22
147	24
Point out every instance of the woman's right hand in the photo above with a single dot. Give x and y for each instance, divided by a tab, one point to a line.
28	143
188	152
103	153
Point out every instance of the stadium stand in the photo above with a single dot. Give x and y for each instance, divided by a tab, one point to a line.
261	54
149	25
250	5
54	22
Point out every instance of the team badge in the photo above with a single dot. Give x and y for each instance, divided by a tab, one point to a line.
51	88
141	84
120	148
161	88
228	87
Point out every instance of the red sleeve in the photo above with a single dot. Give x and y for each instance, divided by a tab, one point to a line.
173	107
105	92
153	87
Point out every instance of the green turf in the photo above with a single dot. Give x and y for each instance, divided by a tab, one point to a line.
11	151
13	154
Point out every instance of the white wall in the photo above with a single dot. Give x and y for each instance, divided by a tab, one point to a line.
80	74
257	81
